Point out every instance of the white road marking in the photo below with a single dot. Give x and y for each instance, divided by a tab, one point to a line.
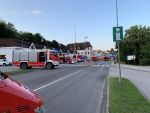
69	65
102	65
56	81
98	65
93	65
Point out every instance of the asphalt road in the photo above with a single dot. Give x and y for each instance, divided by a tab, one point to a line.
69	88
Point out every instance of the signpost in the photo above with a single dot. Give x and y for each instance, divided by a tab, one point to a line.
118	37
118	34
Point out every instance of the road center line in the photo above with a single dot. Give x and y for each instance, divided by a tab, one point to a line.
56	81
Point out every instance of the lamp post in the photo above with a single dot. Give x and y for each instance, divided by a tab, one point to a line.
117	13
75	42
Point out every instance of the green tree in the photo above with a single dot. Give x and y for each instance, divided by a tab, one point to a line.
55	44
135	39
7	30
30	37
38	38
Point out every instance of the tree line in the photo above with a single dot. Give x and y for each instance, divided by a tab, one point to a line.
8	30
136	42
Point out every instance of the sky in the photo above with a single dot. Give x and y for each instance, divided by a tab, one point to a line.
59	19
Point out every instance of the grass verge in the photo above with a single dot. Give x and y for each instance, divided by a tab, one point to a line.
20	71
125	98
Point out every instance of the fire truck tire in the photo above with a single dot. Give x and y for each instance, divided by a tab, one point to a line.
23	65
4	64
49	66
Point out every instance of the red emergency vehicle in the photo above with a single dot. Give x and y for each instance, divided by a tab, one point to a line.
105	58
94	58
35	58
16	98
77	57
62	58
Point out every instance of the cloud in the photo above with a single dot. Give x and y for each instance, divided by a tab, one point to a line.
36	12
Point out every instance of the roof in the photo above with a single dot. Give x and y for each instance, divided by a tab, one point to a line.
79	46
12	42
13	47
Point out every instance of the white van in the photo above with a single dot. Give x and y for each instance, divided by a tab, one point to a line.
4	62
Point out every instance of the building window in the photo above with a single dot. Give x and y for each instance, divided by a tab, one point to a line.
85	52
82	53
88	52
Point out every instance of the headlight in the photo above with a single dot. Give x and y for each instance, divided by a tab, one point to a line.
39	110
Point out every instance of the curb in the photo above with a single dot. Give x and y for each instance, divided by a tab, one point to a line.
133	69
103	107
107	95
105	99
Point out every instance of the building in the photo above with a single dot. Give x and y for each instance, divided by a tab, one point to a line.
84	49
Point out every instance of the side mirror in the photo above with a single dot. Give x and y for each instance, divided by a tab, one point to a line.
5	75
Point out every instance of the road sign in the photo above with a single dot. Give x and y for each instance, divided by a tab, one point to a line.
117	34
131	57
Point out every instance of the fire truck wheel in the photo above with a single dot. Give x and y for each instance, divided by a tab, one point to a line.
4	64
49	66
24	65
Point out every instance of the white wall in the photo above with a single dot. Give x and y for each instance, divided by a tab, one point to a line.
88	52
8	52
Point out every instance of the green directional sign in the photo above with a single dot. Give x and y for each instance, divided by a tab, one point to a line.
117	34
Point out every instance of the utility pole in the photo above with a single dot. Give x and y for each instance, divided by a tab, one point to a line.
117	13
75	36
117	20
75	40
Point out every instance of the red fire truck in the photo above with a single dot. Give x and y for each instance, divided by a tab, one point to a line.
35	58
17	98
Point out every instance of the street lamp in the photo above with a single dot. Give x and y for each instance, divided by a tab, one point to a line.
117	13
75	49
84	44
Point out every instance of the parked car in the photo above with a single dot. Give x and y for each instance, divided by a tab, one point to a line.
16	98
94	58
84	58
105	58
4	62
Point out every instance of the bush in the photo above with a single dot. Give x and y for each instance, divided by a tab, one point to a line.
145	61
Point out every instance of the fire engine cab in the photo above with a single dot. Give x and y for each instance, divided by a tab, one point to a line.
35	58
17	98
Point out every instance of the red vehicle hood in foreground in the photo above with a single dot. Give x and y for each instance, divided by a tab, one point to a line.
16	98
